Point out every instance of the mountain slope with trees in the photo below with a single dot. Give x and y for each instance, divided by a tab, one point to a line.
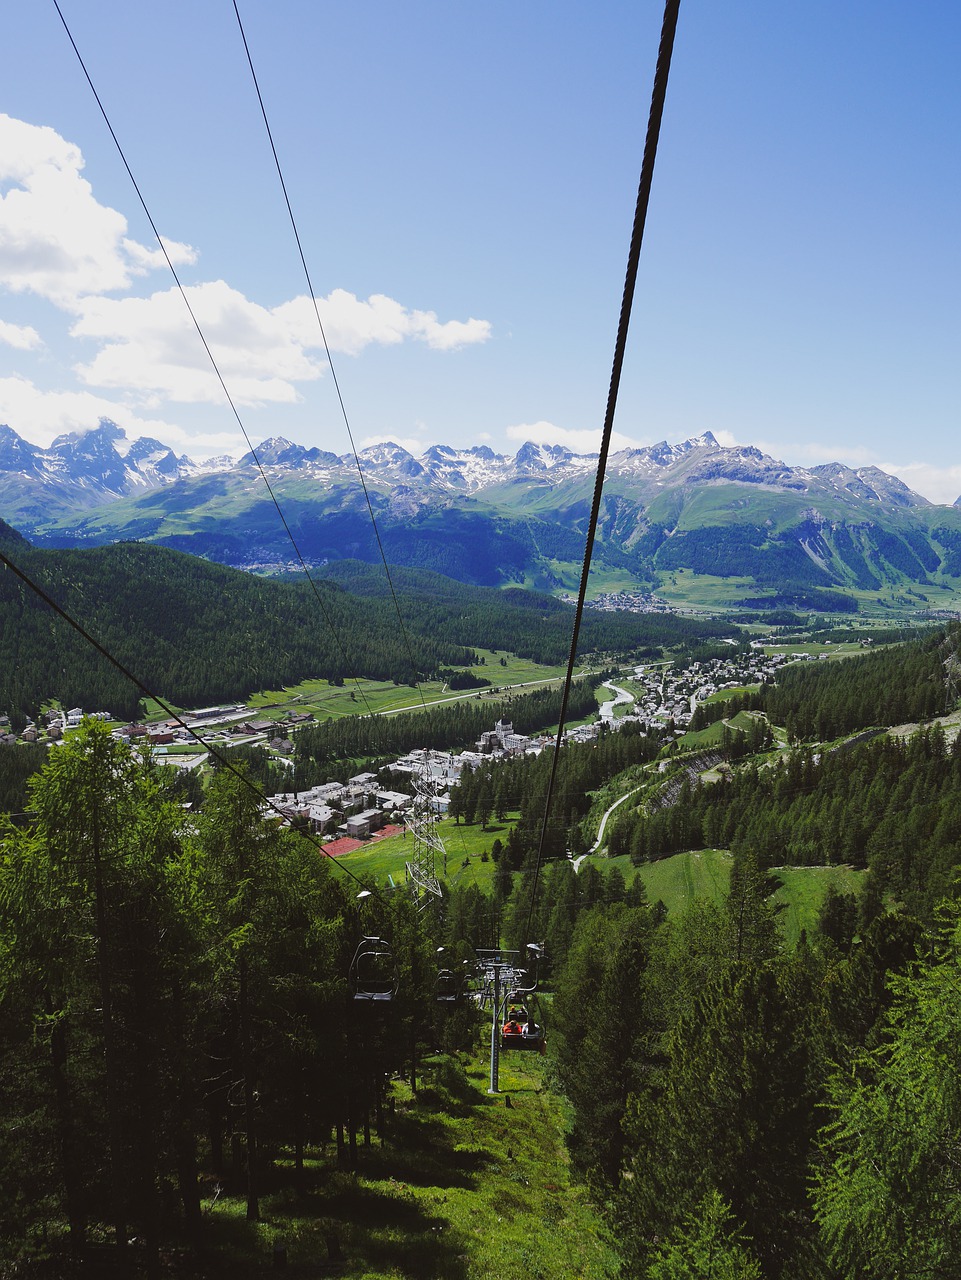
820	537
173	993
196	632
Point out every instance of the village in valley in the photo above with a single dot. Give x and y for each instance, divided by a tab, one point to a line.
657	697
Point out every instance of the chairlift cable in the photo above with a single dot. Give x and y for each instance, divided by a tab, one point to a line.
212	359
658	94
327	352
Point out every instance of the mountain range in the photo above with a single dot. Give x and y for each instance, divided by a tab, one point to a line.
760	531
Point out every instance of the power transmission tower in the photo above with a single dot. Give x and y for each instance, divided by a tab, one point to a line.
421	873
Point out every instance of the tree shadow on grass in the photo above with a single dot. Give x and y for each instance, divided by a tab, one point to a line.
361	1227
422	1164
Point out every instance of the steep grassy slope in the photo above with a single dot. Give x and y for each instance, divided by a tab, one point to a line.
465	1186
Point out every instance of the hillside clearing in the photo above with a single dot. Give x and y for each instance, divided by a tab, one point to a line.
464	1185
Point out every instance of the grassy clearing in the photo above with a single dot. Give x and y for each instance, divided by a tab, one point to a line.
698	739
678	880
700	590
356	697
725	695
706	873
803	890
462	1186
383	858
810	647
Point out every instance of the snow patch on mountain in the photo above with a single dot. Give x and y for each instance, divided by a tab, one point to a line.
86	469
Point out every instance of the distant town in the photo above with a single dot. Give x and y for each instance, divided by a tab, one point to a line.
625	602
656	697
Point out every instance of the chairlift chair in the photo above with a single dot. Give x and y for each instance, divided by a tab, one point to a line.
373	973
447	986
519	1030
528	1035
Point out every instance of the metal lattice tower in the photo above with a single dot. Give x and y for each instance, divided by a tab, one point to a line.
421	874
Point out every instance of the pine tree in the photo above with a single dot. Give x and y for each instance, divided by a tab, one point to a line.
887	1196
706	1245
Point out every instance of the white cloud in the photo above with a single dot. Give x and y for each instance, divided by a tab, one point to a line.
813	453
351	324
937	484
152	346
579	441
40	416
177	254
21	336
56	240
413	444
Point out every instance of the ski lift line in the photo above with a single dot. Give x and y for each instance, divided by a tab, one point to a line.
327	352
212	359
658	95
168	710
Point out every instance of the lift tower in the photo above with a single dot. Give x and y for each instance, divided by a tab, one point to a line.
422	823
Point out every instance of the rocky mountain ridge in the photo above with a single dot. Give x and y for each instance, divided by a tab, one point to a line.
813	536
87	469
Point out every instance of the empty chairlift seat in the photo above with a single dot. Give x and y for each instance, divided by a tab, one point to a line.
373	973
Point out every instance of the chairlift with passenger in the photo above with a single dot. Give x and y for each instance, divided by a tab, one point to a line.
519	1029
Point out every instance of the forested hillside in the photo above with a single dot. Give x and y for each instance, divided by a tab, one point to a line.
198	633
745	1111
890	805
172	993
172	996
899	684
776	1113
194	632
540	625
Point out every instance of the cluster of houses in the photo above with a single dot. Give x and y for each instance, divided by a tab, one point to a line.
360	806
50	726
670	695
355	808
625	602
232	721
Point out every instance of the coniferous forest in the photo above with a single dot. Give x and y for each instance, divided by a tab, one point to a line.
198	633
178	1018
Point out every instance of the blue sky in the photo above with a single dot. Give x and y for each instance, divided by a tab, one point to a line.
463	178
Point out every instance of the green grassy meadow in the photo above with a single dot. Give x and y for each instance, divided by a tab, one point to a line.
677	881
803	890
706	873
463	1185
359	697
464	844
